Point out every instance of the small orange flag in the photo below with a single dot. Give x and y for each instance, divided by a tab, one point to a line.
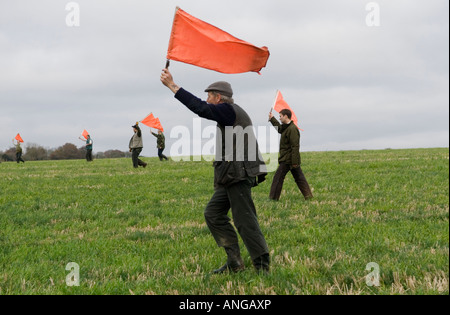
152	122
85	134
19	138
201	44
281	104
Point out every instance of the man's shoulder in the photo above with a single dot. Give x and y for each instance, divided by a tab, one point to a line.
291	129
225	114
293	126
226	106
240	111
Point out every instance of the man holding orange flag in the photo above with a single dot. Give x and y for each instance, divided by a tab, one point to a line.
136	145
18	150
289	158
233	178
161	145
89	144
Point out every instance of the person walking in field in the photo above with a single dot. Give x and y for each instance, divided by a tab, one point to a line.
89	146
160	144
237	169
136	145
18	152
289	159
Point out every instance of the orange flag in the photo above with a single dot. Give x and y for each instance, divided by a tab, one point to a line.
149	120
152	122
201	44
158	125
19	138
85	134
281	104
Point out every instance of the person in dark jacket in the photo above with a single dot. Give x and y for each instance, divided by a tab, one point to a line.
136	145
160	144
289	158
238	167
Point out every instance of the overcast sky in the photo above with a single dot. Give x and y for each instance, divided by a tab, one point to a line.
351	85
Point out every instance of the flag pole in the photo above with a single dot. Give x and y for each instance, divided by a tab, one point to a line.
170	40
274	101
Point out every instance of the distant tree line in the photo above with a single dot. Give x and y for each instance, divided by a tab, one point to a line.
68	151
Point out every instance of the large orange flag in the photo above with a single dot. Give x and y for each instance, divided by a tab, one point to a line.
152	122
18	138
281	104
85	134
201	44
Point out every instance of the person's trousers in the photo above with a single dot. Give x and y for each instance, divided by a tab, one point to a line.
299	177
237	197
135	157
19	157
161	155
89	155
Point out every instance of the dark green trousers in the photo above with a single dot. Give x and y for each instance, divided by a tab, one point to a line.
238	197
135	157
300	180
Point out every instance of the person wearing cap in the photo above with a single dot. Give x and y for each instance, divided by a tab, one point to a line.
289	157
160	144
136	145
89	145
238	168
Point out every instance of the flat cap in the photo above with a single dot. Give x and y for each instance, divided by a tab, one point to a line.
136	126
221	87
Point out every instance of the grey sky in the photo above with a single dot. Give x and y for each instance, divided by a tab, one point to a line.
352	86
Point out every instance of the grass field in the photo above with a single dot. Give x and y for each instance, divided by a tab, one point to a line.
143	232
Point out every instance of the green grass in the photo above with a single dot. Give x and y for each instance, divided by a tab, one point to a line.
143	232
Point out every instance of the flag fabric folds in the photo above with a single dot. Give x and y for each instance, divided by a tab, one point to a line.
158	125
198	43
281	104
152	122
85	134
18	138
